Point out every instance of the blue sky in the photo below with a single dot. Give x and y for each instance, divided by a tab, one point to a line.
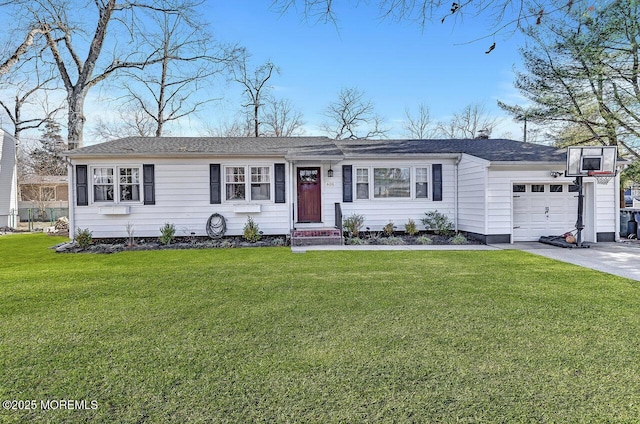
397	65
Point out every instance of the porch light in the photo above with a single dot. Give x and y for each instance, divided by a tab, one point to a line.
330	172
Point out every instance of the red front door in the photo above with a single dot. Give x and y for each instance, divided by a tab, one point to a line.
309	204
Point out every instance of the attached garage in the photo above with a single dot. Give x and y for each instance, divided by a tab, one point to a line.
543	209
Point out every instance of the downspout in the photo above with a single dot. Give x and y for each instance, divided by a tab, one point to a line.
455	203
72	199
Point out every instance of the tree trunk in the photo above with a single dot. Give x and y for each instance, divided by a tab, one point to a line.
75	102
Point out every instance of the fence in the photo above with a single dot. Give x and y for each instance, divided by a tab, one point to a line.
33	215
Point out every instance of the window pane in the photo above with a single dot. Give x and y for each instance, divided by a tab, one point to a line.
422	190
422	174
260	191
362	175
555	188
234	174
391	182
519	188
362	190
573	188
103	193
260	174
537	188
235	191
103	176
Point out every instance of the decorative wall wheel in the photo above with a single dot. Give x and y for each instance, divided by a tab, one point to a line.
216	226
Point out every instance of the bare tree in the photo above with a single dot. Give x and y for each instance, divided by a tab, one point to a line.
472	122
352	116
29	92
504	15
21	49
240	126
87	51
281	120
419	126
167	90
129	122
256	90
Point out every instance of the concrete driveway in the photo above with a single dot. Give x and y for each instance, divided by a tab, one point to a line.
621	258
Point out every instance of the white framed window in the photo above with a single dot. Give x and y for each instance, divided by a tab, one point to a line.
391	182
260	183
406	182
255	188
116	184
235	182
362	183
422	183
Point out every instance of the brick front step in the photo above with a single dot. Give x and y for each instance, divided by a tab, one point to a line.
318	236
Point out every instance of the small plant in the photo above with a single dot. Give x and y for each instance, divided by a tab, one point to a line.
392	241
353	224
84	237
354	241
130	233
167	233
458	239
251	231
437	222
226	244
411	228
389	229
424	240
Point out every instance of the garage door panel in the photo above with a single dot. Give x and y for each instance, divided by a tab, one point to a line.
537	214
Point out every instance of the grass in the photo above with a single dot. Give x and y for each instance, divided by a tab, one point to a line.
264	335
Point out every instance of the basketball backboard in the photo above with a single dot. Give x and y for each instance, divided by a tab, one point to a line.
581	161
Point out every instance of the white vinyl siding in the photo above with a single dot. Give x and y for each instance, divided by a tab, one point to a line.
182	198
379	211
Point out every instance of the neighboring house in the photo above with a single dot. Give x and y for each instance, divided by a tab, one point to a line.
43	195
494	190
8	181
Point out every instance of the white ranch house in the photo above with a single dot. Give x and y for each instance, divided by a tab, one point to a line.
494	190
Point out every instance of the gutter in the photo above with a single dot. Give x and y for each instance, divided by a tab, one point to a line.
456	197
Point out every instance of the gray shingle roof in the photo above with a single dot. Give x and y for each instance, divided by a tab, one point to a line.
219	146
494	150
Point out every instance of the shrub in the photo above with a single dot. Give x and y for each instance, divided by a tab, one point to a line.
388	229
167	233
424	240
84	237
354	241
392	241
437	222
353	224
458	239
251	231
411	228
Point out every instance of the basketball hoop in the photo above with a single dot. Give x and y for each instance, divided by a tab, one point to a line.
602	177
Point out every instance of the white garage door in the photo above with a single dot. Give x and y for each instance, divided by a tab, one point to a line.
543	210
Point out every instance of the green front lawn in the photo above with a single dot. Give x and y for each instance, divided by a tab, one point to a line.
264	335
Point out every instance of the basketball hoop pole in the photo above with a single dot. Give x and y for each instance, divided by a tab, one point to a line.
580	223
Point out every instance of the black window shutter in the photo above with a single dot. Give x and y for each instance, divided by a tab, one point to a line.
215	186
437	182
347	183
82	186
148	179
278	170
